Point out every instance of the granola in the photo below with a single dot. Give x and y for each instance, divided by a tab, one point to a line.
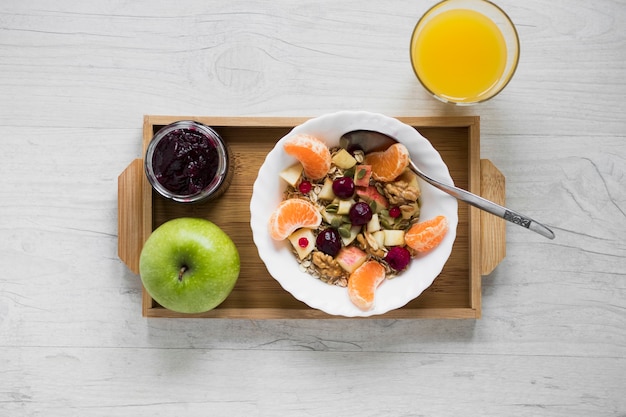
396	206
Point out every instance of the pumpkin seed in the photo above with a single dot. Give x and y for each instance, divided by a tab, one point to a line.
344	230
332	208
336	222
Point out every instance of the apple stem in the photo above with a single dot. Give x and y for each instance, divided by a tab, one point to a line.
182	271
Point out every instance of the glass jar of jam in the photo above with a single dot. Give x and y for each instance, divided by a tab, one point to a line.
188	162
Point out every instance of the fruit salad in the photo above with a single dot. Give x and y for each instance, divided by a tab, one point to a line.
353	219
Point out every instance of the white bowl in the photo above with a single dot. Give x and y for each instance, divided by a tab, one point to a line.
278	256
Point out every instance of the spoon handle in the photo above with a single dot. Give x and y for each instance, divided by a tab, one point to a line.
486	205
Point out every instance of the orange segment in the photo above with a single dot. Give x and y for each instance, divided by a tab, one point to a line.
291	215
427	235
363	282
387	165
312	153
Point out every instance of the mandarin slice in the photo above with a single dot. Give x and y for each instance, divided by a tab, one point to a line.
311	152
292	214
426	235
363	282
387	165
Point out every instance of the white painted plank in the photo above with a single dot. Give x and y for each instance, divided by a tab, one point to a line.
76	79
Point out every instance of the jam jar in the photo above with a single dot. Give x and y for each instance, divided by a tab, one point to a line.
188	162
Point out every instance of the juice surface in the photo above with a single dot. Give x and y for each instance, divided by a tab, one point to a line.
459	55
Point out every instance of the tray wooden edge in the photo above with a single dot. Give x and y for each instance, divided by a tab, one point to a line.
483	177
493	228
309	313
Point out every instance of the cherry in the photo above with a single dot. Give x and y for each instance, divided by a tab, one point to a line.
328	241
360	213
343	187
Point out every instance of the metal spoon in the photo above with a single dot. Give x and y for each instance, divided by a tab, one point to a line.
370	141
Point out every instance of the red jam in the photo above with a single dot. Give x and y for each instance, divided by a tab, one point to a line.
185	162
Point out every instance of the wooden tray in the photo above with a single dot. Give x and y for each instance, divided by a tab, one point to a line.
456	292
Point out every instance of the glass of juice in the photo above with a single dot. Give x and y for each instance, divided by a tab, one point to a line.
464	51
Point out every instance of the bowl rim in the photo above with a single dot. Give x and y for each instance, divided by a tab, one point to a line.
282	264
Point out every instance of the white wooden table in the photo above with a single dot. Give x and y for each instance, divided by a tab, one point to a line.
75	80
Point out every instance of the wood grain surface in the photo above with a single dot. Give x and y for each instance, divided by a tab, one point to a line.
76	79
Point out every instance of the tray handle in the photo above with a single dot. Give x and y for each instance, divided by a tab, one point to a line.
492	228
130	215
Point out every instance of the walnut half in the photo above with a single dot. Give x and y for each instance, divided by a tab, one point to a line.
401	193
329	269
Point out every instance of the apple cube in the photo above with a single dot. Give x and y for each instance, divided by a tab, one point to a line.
371	194
344	206
362	175
343	159
379	237
292	174
350	258
394	237
354	231
303	241
326	193
374	224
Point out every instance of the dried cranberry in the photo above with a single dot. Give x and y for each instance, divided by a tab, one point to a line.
395	212
305	187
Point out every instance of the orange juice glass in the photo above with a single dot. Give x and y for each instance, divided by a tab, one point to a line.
464	51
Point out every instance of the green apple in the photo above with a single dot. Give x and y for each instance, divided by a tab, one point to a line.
189	265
